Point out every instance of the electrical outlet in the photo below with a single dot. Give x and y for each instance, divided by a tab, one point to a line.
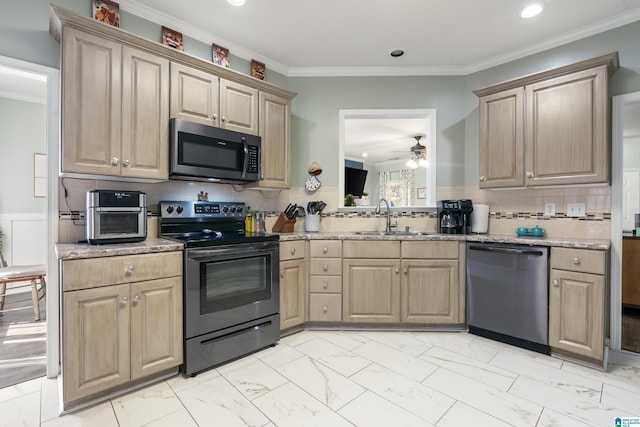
549	209
576	209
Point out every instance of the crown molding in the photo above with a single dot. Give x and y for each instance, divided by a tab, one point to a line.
150	14
198	33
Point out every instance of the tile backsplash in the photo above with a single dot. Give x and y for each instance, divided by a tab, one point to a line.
509	209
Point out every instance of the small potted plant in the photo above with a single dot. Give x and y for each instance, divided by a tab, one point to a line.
349	200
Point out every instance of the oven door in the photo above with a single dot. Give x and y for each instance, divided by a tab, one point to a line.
229	285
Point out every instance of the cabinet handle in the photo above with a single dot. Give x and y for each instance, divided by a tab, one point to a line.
397	270
325	250
136	299
482	178
224	119
405	270
325	308
325	267
129	270
215	117
576	261
325	285
124	300
293	251
282	273
125	163
555	283
529	174
115	161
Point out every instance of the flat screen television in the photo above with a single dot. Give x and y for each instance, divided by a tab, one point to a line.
354	180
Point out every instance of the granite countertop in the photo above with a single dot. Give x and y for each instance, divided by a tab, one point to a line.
66	251
489	238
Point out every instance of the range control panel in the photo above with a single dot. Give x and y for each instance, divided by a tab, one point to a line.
187	209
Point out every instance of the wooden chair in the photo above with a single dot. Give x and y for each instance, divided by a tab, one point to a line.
24	273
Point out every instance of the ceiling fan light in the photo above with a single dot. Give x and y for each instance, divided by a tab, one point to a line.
422	163
531	10
236	2
412	164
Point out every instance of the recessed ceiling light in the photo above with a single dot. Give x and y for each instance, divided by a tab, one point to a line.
364	154
396	53
531	10
236	2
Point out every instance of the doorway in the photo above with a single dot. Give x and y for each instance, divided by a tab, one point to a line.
625	203
35	222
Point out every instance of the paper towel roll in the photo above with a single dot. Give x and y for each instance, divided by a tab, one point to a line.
480	219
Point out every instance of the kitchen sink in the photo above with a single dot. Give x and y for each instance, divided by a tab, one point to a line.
392	233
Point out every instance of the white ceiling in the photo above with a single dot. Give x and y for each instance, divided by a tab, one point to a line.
355	37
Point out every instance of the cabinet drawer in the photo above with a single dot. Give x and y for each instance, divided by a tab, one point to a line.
95	272
325	308
292	250
326	284
580	260
370	249
421	250
325	266
325	248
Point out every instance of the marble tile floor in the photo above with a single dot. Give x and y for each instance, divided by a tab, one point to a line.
325	378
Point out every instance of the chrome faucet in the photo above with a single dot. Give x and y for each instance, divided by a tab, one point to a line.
377	212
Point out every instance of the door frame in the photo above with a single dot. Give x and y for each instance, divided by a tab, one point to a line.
617	126
52	117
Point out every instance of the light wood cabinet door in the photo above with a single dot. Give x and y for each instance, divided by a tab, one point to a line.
293	276
429	291
566	129
576	313
502	139
145	115
275	130
91	104
194	95
630	271
156	326
238	107
371	290
96	342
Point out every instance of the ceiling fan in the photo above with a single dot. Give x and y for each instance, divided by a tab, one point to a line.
418	154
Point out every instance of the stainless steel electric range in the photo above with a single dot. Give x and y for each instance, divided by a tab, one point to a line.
231	282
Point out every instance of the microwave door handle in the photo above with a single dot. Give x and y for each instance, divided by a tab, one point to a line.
245	163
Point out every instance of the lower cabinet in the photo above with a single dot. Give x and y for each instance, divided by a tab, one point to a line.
371	290
577	302
325	281
118	333
429	291
292	291
293	283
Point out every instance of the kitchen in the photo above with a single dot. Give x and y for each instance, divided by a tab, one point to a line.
316	103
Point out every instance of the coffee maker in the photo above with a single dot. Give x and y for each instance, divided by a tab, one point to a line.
454	216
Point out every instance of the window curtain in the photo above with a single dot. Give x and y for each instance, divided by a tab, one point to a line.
397	186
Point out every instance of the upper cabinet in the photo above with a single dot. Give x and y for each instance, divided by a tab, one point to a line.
115	115
119	91
550	128
275	130
205	98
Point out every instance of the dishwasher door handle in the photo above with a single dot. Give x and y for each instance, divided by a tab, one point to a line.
507	250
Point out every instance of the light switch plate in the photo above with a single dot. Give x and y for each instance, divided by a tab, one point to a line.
576	209
549	209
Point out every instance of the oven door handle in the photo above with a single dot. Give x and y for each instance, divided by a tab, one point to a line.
136	209
227	251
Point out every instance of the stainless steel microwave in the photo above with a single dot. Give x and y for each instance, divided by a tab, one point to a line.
114	216
206	153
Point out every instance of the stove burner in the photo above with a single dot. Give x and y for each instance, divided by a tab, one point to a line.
201	223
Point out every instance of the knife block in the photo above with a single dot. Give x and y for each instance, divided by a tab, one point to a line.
283	225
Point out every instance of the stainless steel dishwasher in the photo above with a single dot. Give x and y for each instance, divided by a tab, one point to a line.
508	293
